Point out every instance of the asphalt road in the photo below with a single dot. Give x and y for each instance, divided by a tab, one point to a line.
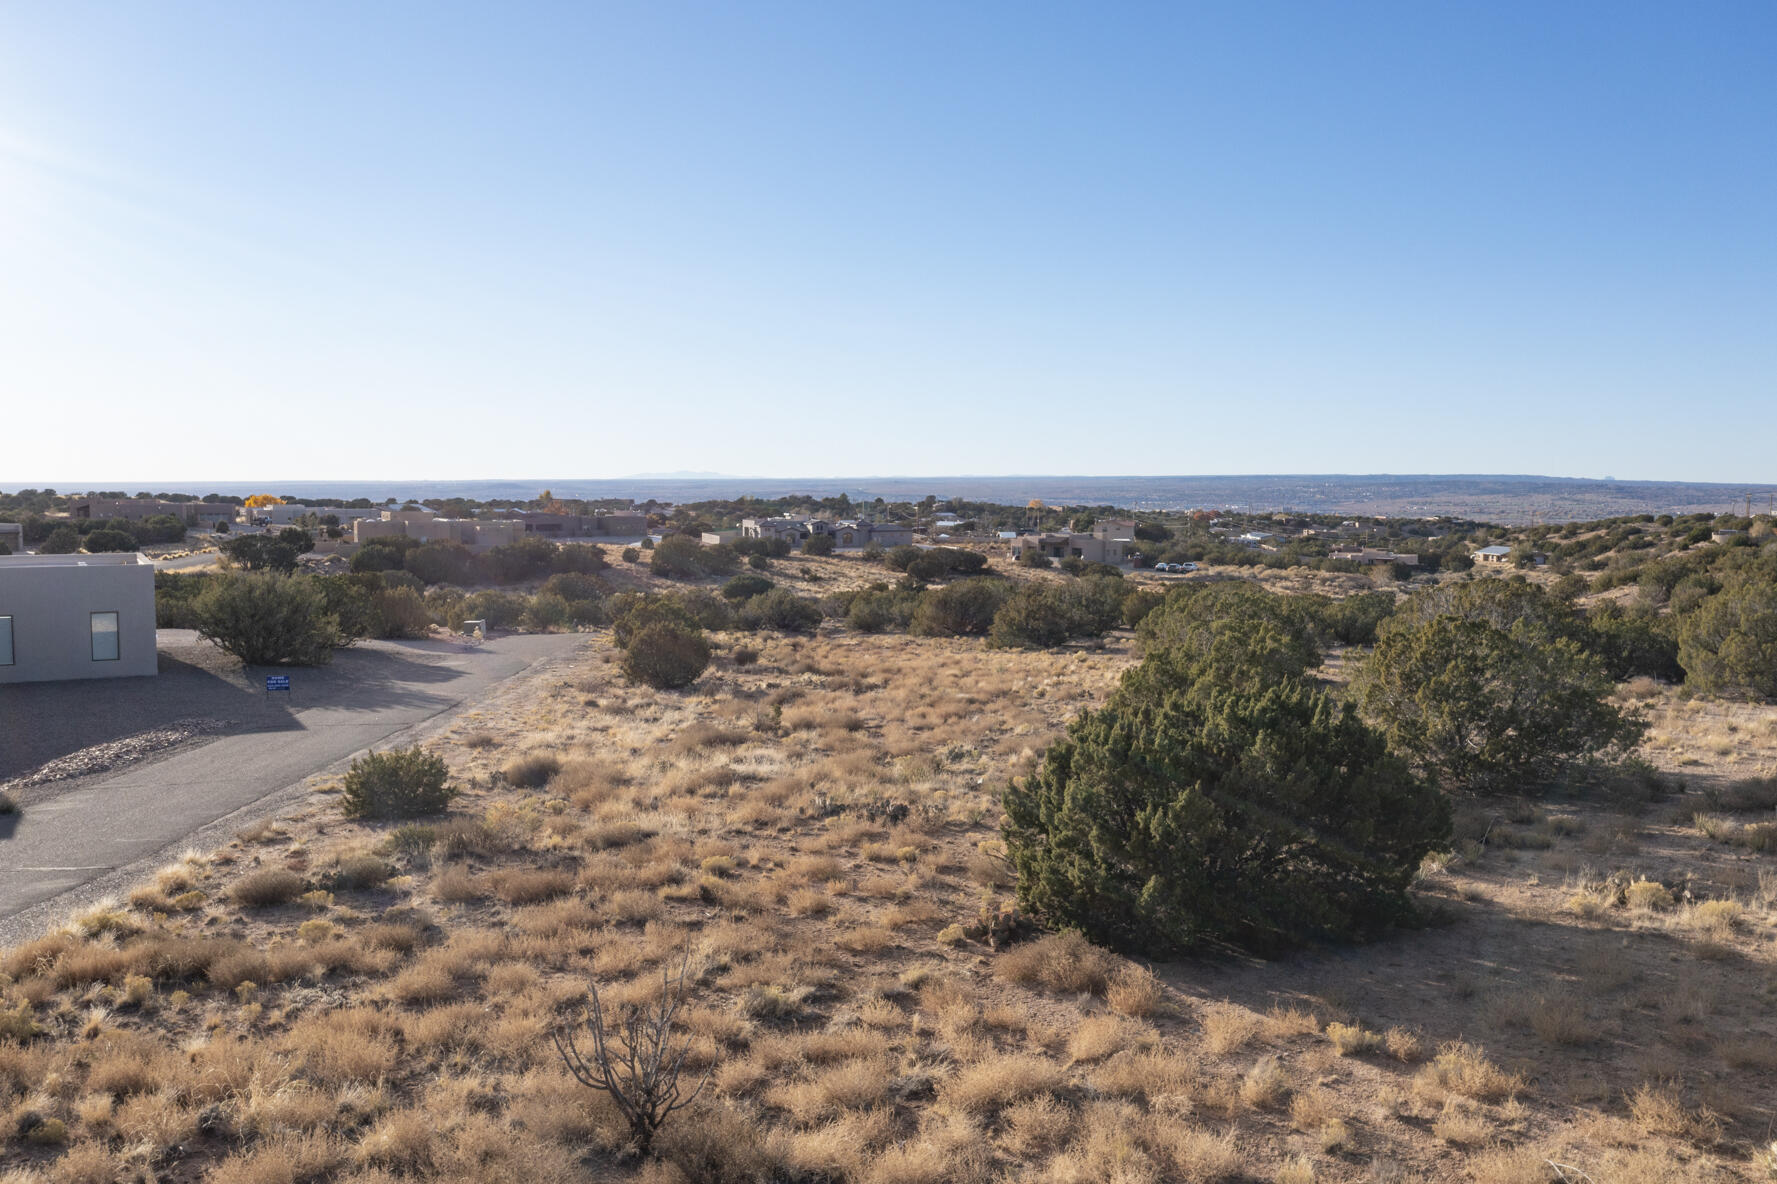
79	841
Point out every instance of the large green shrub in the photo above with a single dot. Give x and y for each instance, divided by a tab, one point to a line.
441	562
268	619
780	609
878	608
965	607
376	556
1489	709
401	612
1235	630
1042	615
573	585
546	611
819	544
400	783
634	613
746	586
1185	814
1632	644
666	656
63	540
100	541
1729	644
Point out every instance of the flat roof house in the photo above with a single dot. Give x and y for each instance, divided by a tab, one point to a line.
1493	554
76	616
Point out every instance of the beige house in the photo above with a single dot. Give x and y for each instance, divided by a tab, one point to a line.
847	532
1111	541
427	527
140	509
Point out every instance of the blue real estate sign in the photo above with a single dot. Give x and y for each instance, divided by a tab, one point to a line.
277	682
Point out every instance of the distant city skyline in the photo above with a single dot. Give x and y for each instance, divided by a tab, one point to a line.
923	239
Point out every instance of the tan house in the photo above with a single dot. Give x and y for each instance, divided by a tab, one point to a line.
1110	542
847	532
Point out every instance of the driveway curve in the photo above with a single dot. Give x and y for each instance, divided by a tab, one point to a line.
79	840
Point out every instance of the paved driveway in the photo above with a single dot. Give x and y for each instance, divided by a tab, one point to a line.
80	839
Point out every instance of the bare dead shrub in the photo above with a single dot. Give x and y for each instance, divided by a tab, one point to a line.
636	1059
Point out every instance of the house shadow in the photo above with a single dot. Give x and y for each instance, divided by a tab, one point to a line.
44	721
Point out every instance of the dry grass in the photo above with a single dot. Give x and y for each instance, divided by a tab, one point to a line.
828	880
263	889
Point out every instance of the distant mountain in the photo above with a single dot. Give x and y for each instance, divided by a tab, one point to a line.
1506	499
686	475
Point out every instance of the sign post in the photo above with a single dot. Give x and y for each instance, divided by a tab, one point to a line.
276	682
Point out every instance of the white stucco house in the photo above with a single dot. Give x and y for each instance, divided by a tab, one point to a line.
76	616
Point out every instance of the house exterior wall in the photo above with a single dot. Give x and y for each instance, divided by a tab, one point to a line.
621	525
12	534
365	529
890	536
51	599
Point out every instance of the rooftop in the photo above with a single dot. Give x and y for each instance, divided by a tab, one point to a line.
110	559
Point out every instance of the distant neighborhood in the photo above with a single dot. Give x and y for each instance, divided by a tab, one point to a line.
78	573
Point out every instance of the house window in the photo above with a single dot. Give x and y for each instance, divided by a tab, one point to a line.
104	627
5	641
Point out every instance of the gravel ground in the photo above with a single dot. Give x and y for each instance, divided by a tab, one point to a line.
103	758
47	722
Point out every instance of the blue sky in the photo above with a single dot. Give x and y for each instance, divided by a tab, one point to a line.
427	240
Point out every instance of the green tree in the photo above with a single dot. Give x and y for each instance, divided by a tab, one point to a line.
439	562
1185	814
819	544
780	609
258	552
965	607
1235	630
1728	646
268	619
100	541
1485	709
63	540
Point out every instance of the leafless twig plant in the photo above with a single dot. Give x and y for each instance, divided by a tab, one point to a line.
635	1058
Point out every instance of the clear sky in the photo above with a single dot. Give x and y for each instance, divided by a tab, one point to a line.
429	240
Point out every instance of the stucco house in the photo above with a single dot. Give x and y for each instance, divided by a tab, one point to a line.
76	616
1110	542
847	532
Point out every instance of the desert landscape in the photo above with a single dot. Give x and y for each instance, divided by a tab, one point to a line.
810	835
